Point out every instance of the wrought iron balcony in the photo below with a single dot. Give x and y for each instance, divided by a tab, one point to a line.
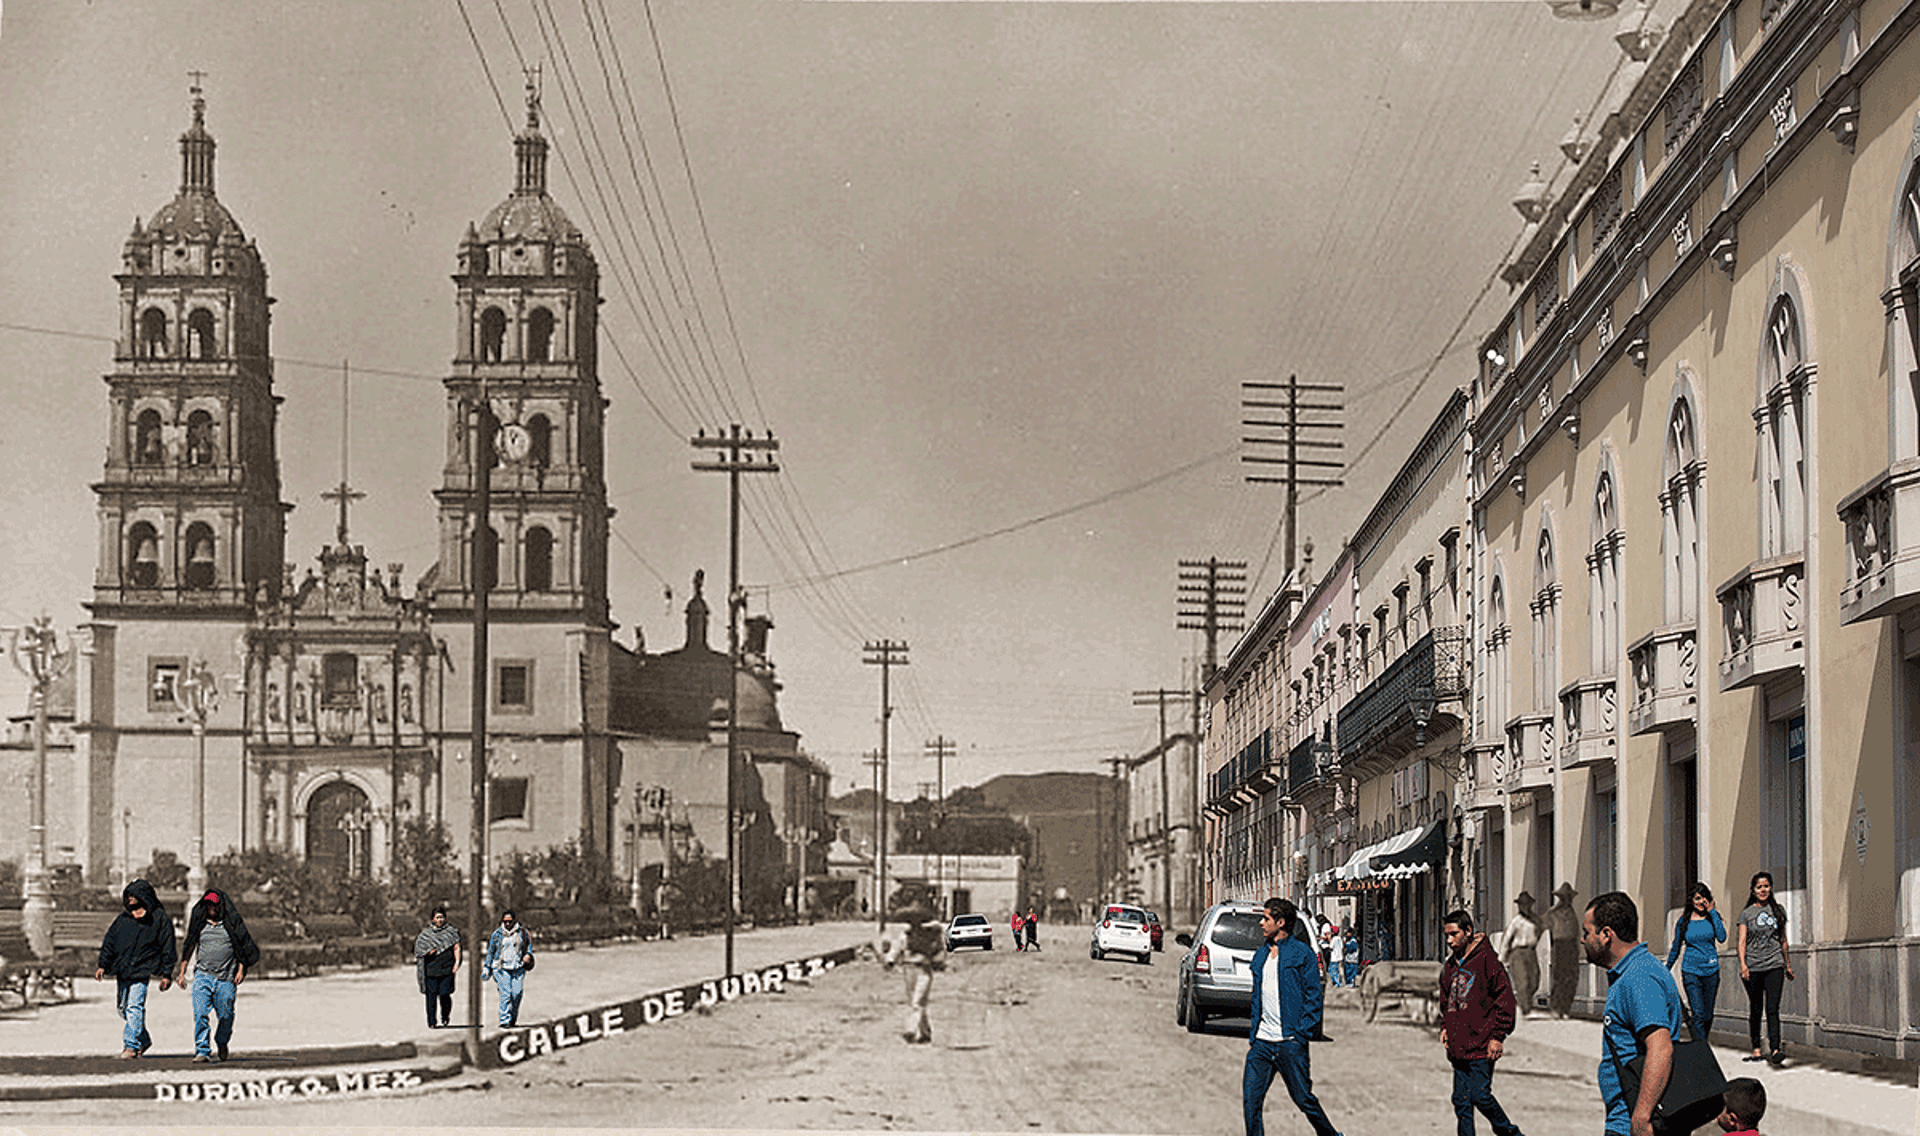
1530	752
1304	766
1666	679
1591	708
1415	696
1882	522
1485	784
1763	621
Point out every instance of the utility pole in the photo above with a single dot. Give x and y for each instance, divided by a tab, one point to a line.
734	456
879	803
484	563
941	748
1117	826
1159	698
1291	423
1212	598
886	654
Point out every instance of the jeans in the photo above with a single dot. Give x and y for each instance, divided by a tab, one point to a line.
1289	1059
511	983
1336	970
918	1027
1701	990
1767	986
210	993
1353	972
131	1000
1473	1088
440	996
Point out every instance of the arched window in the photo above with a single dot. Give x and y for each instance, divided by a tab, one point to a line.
1904	269
153	334
147	446
1500	677
539	577
199	575
1603	567
1783	436
200	438
1680	517
200	341
493	335
539	335
540	451
143	556
1546	625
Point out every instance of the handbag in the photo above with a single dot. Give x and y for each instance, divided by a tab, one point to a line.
529	960
1694	1086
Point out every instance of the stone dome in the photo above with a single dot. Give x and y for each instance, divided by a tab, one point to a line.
194	216
529	217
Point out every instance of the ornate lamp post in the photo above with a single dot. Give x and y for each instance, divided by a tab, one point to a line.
197	694
37	655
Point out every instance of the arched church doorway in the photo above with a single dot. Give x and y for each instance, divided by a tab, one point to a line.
338	830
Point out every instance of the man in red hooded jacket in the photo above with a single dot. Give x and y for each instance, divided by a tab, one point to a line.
1477	1010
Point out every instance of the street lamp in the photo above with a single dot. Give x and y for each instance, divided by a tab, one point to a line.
1422	705
197	694
37	655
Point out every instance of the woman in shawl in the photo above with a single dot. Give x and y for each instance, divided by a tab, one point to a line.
436	956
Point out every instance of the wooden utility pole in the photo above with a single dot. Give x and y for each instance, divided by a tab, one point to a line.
1116	826
484	564
736	449
1291	424
886	654
941	748
1159	698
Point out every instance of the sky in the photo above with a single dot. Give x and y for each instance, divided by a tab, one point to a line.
994	273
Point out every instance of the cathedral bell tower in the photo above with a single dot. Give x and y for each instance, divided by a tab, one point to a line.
527	298
191	521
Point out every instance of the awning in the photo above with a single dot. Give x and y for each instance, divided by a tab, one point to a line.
1415	846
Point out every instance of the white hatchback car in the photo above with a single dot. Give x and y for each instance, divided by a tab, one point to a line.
1122	929
969	931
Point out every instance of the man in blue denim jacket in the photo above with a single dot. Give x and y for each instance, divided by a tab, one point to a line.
1286	1016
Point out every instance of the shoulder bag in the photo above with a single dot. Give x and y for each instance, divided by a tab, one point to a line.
1692	1099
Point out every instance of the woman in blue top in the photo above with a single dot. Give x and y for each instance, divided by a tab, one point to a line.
1698	930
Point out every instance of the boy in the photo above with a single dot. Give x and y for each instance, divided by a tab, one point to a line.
138	947
1744	1102
1477	1014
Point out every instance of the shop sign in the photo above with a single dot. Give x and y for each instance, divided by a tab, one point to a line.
1367	883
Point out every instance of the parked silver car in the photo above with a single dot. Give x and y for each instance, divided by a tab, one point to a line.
1216	973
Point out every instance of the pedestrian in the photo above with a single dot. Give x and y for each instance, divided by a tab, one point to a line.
1520	948
1563	928
1351	941
220	949
1641	1017
1285	1013
509	958
1033	930
138	947
1019	943
1697	931
1322	949
921	951
1742	1103
1477	1014
1336	955
436	957
1764	965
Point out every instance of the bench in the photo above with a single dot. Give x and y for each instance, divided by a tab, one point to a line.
26	979
79	929
342	943
1408	978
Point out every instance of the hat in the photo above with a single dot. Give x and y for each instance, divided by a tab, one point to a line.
1565	889
1524	899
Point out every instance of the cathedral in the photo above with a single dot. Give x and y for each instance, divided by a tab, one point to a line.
318	712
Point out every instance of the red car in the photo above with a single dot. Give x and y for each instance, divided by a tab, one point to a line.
1155	930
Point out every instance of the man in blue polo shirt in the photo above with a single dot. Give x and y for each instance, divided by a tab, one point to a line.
1642	1015
1286	1016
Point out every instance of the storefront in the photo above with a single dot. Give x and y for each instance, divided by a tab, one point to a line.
1394	886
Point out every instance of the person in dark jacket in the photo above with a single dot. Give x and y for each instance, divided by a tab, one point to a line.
138	947
436	956
221	951
1285	1013
1477	1014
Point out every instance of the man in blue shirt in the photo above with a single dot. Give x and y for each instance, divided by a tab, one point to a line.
1286	1015
1642	1015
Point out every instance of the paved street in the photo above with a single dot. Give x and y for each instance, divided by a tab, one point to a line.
1023	1042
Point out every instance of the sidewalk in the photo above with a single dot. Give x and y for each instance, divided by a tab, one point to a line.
358	1018
1808	1097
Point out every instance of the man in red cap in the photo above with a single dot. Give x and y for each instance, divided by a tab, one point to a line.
220	950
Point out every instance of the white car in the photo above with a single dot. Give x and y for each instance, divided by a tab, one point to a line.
1122	929
970	931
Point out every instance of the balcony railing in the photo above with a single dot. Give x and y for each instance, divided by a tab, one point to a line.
1303	770
1381	721
1666	679
1486	780
1591	707
1763	618
1882	522
1530	752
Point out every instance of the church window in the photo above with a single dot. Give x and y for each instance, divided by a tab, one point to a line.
493	335
508	799
539	335
147	446
153	334
540	451
340	679
143	556
200	340
513	686
539	576
200	565
200	438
